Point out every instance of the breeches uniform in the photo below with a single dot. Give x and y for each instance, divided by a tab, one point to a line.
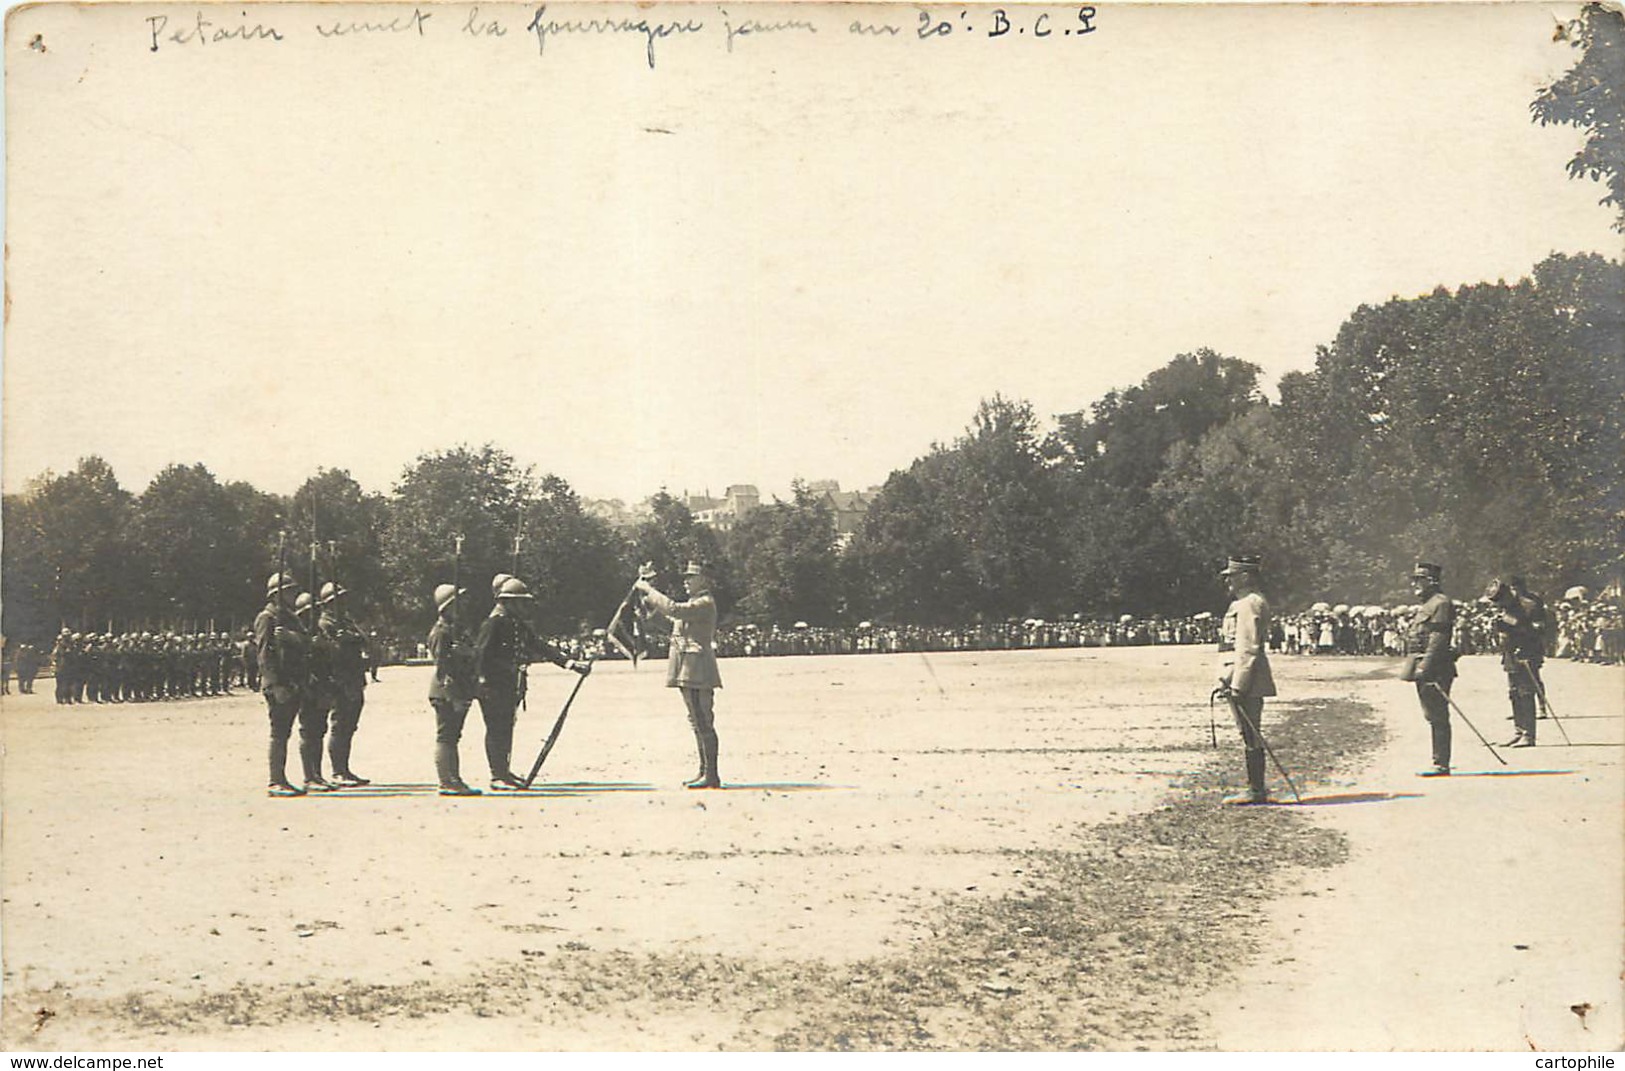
499	709
1436	709
449	716
1523	688
283	705
1249	714
702	718
344	719
312	727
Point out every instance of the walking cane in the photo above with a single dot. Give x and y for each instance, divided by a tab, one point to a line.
1241	714
1540	690
558	726
1470	725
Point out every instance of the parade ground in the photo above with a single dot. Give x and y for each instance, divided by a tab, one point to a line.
994	850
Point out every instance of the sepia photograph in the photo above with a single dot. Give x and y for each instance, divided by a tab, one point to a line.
813	528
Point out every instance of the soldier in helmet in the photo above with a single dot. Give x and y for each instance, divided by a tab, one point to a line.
282	647
1432	662
451	690
692	665
28	663
318	698
62	658
347	646
1519	620
504	646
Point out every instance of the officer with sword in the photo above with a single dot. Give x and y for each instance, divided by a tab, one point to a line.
1245	679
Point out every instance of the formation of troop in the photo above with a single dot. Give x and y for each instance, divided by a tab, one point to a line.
135	667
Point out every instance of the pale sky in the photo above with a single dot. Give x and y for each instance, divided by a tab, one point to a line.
808	257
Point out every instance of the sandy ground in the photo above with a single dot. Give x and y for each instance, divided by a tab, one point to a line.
1485	912
1002	850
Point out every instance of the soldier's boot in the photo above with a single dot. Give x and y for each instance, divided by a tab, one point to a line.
1257	790
1523	717
708	763
699	748
448	772
278	761
310	757
338	755
1440	729
499	756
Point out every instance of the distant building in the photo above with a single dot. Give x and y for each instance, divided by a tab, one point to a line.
849	507
616	512
725	512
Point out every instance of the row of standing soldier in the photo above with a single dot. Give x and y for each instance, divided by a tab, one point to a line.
313	670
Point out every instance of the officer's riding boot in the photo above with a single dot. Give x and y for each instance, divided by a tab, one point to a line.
1255	776
278	780
1523	716
708	763
499	756
447	770
278	762
338	750
310	757
699	748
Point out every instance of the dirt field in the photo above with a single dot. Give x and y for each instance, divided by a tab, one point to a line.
1017	850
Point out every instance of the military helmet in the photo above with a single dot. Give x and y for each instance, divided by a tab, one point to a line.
445	595
277	581
331	591
514	588
302	603
497	582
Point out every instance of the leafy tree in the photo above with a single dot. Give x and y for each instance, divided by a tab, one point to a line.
1480	426
905	563
571	559
67	555
970	529
1591	96
195	549
568	559
1124	550
480	494
786	556
348	526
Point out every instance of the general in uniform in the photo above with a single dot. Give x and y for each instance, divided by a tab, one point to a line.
1245	677
691	665
1432	664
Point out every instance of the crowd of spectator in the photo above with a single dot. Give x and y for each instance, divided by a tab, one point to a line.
1585	629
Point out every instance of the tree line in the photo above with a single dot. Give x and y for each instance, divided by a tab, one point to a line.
1481	428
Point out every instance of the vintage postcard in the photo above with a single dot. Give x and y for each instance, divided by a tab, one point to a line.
1031	527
